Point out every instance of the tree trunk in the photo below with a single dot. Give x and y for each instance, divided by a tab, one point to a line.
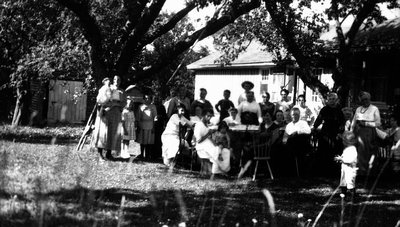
341	77
20	108
99	69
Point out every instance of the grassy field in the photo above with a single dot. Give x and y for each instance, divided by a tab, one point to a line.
53	185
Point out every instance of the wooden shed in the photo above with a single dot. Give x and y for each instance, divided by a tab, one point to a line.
66	102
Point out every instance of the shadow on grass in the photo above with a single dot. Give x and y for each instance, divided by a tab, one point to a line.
247	206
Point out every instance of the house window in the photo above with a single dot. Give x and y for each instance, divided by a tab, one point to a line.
263	87
265	74
314	96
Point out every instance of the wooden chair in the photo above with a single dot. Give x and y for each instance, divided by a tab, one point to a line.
185	150
262	152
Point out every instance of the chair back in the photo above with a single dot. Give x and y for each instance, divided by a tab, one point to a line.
262	151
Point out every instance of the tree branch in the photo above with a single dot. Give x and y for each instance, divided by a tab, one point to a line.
169	25
129	49
338	27
135	10
91	32
289	35
361	15
210	28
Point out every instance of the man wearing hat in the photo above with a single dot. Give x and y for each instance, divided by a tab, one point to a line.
247	86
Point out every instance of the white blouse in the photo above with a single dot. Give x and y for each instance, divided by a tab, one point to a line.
370	115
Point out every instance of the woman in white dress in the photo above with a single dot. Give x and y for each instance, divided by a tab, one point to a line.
170	137
366	119
206	148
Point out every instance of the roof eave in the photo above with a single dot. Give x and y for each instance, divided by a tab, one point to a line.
233	65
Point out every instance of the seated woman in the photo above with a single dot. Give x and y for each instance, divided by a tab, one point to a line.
170	137
393	141
268	129
207	149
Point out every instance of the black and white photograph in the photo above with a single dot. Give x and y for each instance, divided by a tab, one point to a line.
179	113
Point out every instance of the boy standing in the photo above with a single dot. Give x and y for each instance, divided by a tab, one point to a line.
224	105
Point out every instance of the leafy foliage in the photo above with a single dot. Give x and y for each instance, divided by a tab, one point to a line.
291	30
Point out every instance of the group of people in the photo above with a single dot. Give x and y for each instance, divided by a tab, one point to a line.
163	129
118	122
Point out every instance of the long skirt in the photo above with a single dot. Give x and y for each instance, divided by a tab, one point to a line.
367	146
328	147
114	129
100	132
170	146
145	136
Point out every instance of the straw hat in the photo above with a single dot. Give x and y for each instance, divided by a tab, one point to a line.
251	85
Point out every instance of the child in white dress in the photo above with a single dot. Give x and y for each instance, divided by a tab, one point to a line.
222	139
349	163
129	128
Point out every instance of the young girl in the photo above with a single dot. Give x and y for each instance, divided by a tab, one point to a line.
349	163
129	128
221	138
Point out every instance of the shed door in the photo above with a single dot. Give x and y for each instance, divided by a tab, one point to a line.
66	102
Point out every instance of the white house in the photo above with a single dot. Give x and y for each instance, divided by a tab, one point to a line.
257	66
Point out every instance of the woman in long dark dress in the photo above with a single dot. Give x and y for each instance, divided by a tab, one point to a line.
159	125
329	144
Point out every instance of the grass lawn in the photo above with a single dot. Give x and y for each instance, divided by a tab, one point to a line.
53	185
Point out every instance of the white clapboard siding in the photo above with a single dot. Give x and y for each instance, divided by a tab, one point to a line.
216	81
63	107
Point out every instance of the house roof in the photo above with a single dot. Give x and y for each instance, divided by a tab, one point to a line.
253	56
381	37
385	36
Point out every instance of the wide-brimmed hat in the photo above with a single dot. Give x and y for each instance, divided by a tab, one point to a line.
249	83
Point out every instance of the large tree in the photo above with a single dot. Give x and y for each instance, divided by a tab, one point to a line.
38	42
291	29
118	31
51	39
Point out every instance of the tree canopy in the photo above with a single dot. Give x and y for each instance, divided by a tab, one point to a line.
76	39
292	29
119	31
